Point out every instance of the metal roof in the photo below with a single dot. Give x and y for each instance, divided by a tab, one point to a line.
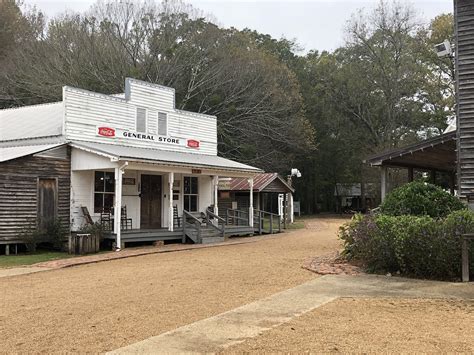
437	153
260	182
10	153
31	121
164	157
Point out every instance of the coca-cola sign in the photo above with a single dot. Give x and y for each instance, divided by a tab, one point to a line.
192	143
106	131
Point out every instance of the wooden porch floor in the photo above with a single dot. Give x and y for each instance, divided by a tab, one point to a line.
152	235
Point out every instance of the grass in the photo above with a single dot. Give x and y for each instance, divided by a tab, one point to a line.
296	225
29	259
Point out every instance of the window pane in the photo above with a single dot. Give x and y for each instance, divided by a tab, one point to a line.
99	181
194	203
98	203
194	185
186	203
108	202
109	182
187	185
162	124
141	119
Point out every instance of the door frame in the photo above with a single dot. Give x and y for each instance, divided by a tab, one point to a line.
55	178
139	187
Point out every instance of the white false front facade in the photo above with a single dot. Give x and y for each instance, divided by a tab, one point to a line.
140	155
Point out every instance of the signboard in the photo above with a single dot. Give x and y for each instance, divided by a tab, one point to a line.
117	133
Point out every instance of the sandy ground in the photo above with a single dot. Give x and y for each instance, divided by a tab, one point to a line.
104	306
373	326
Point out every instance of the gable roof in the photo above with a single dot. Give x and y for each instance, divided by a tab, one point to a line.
10	153
260	182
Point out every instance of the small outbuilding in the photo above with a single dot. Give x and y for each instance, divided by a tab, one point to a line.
271	193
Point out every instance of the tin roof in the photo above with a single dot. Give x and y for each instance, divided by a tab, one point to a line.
31	121
10	153
260	182
164	157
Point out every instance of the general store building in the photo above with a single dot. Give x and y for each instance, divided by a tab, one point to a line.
132	153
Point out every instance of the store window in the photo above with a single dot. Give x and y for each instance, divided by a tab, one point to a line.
162	124
191	193
104	190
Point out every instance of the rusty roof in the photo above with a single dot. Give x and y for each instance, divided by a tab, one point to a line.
260	182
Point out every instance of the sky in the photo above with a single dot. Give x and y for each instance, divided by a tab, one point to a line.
315	24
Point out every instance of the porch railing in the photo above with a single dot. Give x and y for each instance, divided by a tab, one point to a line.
236	217
191	227
219	223
264	221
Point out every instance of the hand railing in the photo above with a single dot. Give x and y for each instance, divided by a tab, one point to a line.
261	218
220	222
237	217
191	224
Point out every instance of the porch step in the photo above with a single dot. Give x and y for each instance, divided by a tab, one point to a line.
209	240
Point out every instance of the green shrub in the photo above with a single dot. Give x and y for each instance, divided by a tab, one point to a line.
418	246
420	199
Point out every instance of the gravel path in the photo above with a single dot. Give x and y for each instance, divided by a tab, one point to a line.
100	307
350	325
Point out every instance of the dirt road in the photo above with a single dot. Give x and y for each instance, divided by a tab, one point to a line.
108	305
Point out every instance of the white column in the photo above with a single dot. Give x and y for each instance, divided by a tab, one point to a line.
118	207
383	182
216	192
170	198
251	202
292	210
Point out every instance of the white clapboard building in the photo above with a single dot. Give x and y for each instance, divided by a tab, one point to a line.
133	158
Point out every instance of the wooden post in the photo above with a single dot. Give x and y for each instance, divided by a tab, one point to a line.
383	182
284	211
170	198
7	249
292	208
271	223
465	260
251	202
216	195
452	183
260	222
410	174
118	206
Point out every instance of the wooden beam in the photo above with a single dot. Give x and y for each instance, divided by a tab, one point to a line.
383	182
410	174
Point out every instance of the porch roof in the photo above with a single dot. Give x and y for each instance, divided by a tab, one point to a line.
169	158
438	153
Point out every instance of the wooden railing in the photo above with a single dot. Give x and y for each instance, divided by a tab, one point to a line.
219	223
236	217
192	226
262	219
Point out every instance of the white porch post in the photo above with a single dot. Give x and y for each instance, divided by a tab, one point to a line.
251	202
216	192
292	210
118	207
383	182
170	197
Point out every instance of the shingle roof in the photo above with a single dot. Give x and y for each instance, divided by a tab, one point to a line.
10	153
260	182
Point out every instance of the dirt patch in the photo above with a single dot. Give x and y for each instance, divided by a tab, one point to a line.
331	264
373	326
104	306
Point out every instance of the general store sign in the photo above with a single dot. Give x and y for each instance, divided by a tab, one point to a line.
117	133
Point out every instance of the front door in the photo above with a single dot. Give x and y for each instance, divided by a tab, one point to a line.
47	202
150	209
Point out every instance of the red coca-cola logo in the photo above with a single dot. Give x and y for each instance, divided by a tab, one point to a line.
192	143
106	132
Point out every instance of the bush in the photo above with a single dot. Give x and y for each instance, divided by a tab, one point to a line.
420	199
418	246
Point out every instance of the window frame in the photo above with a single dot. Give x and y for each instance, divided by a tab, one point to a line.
104	192
190	194
146	119
158	123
